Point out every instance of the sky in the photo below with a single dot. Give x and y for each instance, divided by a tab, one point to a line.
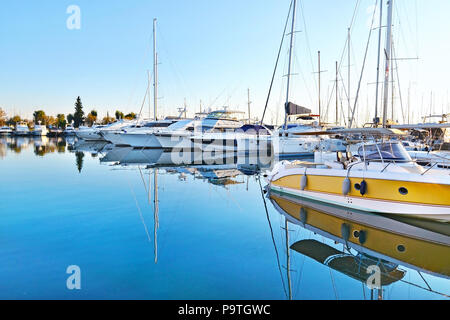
214	51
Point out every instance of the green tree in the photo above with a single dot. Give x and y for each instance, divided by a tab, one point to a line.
119	115
108	120
131	116
79	160
78	116
70	118
14	120
39	116
91	118
61	121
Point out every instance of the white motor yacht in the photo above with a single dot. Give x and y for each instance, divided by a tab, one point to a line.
5	130
90	133
69	131
22	129
39	130
139	135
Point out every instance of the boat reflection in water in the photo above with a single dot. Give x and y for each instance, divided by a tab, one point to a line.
365	245
42	145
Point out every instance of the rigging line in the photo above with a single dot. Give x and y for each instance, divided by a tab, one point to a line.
304	79
343	51
399	86
143	102
364	64
273	238
307	42
140	212
143	181
276	63
334	285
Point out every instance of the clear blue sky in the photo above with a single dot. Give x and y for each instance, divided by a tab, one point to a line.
209	50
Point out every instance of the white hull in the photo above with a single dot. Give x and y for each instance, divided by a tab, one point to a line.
89	135
137	140
295	146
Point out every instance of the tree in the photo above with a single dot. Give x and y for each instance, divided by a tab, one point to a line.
131	116
2	117
119	115
70	118
39	116
91	118
61	121
50	120
108	120
79	160
78	116
14	120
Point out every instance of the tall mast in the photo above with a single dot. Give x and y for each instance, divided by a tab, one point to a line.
349	104
249	103
148	95
320	114
291	48
155	72
376	120
337	95
387	52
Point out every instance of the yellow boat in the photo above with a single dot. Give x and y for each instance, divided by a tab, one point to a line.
381	179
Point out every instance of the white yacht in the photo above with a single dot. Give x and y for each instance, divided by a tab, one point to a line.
216	130
5	130
90	133
39	130
69	131
137	135
22	129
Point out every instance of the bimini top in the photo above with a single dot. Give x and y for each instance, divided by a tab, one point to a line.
388	151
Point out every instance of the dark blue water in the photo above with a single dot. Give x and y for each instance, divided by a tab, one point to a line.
207	236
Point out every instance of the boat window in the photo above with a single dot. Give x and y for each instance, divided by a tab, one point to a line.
384	151
157	125
180	125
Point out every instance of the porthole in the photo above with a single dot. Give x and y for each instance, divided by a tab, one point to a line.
401	248
403	191
356	234
357	186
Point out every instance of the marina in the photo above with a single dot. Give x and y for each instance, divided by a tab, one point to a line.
139	223
306	193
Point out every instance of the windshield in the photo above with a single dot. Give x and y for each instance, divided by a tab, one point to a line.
180	125
220	115
384	151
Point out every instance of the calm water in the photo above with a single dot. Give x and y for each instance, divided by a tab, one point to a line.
140	231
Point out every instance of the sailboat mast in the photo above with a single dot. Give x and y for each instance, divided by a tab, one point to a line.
148	95
349	103
249	103
387	52
291	48
320	113
337	94
376	119
155	72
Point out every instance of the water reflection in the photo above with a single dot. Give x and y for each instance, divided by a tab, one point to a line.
338	243
41	145
359	243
